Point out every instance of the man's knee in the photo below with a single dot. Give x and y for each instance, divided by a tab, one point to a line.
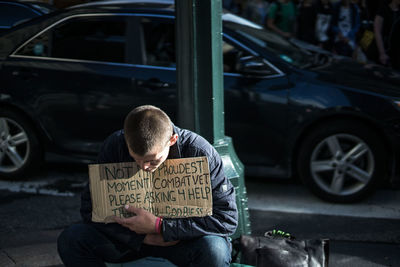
71	238
215	250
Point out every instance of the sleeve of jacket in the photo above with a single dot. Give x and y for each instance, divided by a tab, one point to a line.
223	221
110	152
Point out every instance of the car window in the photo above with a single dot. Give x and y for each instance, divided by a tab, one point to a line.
159	42
45	8
90	38
230	55
238	60
266	40
40	46
11	14
159	39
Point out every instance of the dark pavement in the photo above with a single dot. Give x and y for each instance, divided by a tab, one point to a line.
361	234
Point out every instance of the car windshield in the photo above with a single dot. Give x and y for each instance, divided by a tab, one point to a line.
44	8
266	39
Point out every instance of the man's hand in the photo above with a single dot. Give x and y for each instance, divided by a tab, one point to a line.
157	240
143	223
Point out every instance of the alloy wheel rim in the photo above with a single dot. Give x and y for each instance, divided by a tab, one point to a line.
14	146
342	164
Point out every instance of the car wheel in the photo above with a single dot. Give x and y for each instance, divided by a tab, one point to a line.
20	151
341	162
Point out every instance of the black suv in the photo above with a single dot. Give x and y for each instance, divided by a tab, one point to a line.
69	79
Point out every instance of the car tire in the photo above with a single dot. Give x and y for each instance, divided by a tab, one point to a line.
20	150
342	161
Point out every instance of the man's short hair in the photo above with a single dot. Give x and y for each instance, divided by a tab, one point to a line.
147	127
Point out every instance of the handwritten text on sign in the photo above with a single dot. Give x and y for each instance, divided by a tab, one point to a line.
178	188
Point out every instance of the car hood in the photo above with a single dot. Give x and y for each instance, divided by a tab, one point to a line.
309	47
370	77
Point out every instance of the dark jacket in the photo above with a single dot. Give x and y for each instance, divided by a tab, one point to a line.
223	222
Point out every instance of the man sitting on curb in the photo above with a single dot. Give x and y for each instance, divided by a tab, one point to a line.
149	138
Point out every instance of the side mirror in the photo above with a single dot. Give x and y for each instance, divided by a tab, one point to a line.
251	65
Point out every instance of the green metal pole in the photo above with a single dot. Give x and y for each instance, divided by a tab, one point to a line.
200	87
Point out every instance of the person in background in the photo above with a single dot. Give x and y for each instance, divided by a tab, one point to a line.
364	10
395	44
234	6
282	18
323	23
306	21
257	10
386	24
345	25
360	52
372	7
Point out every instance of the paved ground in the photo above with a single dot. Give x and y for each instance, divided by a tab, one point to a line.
362	234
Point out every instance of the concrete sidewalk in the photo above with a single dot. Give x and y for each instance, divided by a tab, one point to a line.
365	234
40	249
30	249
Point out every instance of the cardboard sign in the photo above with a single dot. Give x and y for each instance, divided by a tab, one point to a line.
178	188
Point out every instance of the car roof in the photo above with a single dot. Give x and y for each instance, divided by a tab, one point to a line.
162	7
157	6
124	4
37	6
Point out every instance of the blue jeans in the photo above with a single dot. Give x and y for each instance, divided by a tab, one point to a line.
83	245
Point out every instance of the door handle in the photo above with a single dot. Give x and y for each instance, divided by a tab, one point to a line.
24	73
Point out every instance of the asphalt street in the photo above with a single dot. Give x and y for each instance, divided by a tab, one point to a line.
34	210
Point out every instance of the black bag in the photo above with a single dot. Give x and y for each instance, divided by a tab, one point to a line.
278	249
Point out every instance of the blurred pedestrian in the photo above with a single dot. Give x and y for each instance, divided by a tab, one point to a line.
364	34
386	30
365	44
233	6
372	6
345	25
307	14
364	11
282	18
257	10
395	45
323	24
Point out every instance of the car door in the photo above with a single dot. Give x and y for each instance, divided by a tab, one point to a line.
156	76
256	108
83	75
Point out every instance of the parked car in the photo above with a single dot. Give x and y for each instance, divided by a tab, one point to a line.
69	79
15	12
